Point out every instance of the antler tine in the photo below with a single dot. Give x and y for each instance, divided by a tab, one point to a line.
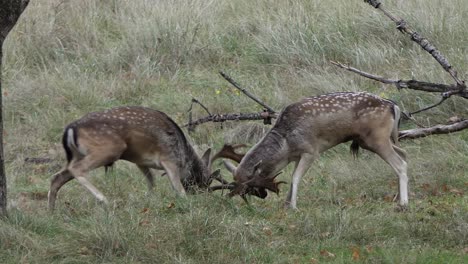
228	151
221	180
229	166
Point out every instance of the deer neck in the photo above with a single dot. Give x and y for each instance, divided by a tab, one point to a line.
194	171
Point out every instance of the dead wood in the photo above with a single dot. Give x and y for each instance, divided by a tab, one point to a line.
251	96
403	27
267	114
409	84
438	129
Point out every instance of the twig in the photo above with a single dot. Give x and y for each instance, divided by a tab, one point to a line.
198	102
251	96
421	41
428	107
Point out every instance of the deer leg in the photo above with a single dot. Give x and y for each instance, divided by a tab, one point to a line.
288	198
400	152
148	175
80	168
172	172
396	159
58	180
301	168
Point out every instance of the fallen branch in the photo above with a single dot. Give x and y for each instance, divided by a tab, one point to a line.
266	116
438	129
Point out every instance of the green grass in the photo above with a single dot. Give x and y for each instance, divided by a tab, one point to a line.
64	60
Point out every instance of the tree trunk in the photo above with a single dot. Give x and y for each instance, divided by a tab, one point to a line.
10	11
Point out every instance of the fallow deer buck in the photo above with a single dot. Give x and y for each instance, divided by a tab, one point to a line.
309	127
146	137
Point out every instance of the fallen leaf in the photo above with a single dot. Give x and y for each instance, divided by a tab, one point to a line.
426	186
38	195
454	119
84	251
326	253
144	223
267	231
456	191
388	198
445	188
356	253
151	246
171	205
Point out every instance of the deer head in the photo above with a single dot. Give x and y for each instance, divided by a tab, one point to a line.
146	137
313	125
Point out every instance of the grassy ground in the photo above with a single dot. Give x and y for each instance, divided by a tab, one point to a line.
66	58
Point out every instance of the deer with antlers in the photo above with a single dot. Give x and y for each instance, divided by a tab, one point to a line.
146	137
313	125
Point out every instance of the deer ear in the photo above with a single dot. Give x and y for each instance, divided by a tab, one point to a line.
206	157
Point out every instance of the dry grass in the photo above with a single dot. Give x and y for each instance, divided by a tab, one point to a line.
66	58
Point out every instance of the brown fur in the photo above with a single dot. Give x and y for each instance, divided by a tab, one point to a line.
146	137
313	125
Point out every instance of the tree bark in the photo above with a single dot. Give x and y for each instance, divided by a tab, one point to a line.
10	11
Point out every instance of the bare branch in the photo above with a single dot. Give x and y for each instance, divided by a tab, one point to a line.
198	102
251	96
428	107
402	25
232	117
438	129
409	84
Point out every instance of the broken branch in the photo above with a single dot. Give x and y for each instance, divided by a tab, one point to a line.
251	96
231	117
403	27
438	129
409	84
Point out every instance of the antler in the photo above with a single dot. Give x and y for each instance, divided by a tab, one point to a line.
229	152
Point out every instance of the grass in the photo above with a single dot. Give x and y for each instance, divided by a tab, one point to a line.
66	58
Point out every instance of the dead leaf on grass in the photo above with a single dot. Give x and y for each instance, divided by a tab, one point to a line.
356	253
267	231
326	253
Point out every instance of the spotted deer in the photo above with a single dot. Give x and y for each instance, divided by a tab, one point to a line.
313	125
146	137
